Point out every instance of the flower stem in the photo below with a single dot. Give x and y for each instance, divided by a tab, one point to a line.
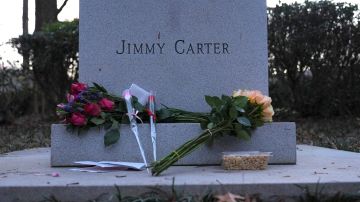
185	149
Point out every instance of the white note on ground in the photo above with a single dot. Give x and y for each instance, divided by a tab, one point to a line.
108	166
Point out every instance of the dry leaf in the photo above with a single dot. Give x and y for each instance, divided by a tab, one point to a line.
228	197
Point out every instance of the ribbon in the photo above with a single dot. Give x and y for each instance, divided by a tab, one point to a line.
177	155
150	113
211	134
135	114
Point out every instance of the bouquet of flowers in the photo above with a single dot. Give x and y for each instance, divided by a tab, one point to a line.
235	115
89	107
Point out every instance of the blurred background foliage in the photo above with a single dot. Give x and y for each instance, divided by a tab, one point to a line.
54	62
314	69
314	59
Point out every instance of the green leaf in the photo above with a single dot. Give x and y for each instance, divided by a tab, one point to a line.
203	125
209	100
233	113
103	115
241	133
97	121
111	137
163	114
137	105
259	123
100	88
244	121
122	106
125	119
240	101
213	101
239	109
226	99
210	125
215	117
115	124
107	125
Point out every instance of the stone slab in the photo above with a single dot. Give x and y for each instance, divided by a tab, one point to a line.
24	176
180	80
278	138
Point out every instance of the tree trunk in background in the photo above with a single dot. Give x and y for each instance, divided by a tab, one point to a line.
45	12
25	27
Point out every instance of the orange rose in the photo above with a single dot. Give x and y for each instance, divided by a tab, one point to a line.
257	97
254	96
265	101
268	113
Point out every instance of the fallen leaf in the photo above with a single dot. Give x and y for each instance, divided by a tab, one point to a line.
229	197
74	183
119	176
319	173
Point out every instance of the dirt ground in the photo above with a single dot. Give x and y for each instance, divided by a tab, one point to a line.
337	133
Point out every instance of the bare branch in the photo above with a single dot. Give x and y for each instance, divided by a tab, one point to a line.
61	7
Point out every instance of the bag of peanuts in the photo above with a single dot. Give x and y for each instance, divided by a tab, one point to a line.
251	160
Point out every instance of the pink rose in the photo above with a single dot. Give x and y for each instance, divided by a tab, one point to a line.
78	119
92	109
106	104
76	88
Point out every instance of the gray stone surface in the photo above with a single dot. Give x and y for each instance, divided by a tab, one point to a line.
26	176
278	138
180	80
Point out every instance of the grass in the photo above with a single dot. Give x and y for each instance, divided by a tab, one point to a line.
158	195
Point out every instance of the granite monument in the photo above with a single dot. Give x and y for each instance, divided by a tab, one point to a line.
183	50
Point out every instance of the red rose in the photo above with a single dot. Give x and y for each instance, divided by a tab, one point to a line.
106	104
92	109
78	119
76	88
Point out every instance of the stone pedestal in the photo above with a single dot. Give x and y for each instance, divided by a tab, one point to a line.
66	148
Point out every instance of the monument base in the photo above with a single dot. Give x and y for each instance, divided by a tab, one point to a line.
66	148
